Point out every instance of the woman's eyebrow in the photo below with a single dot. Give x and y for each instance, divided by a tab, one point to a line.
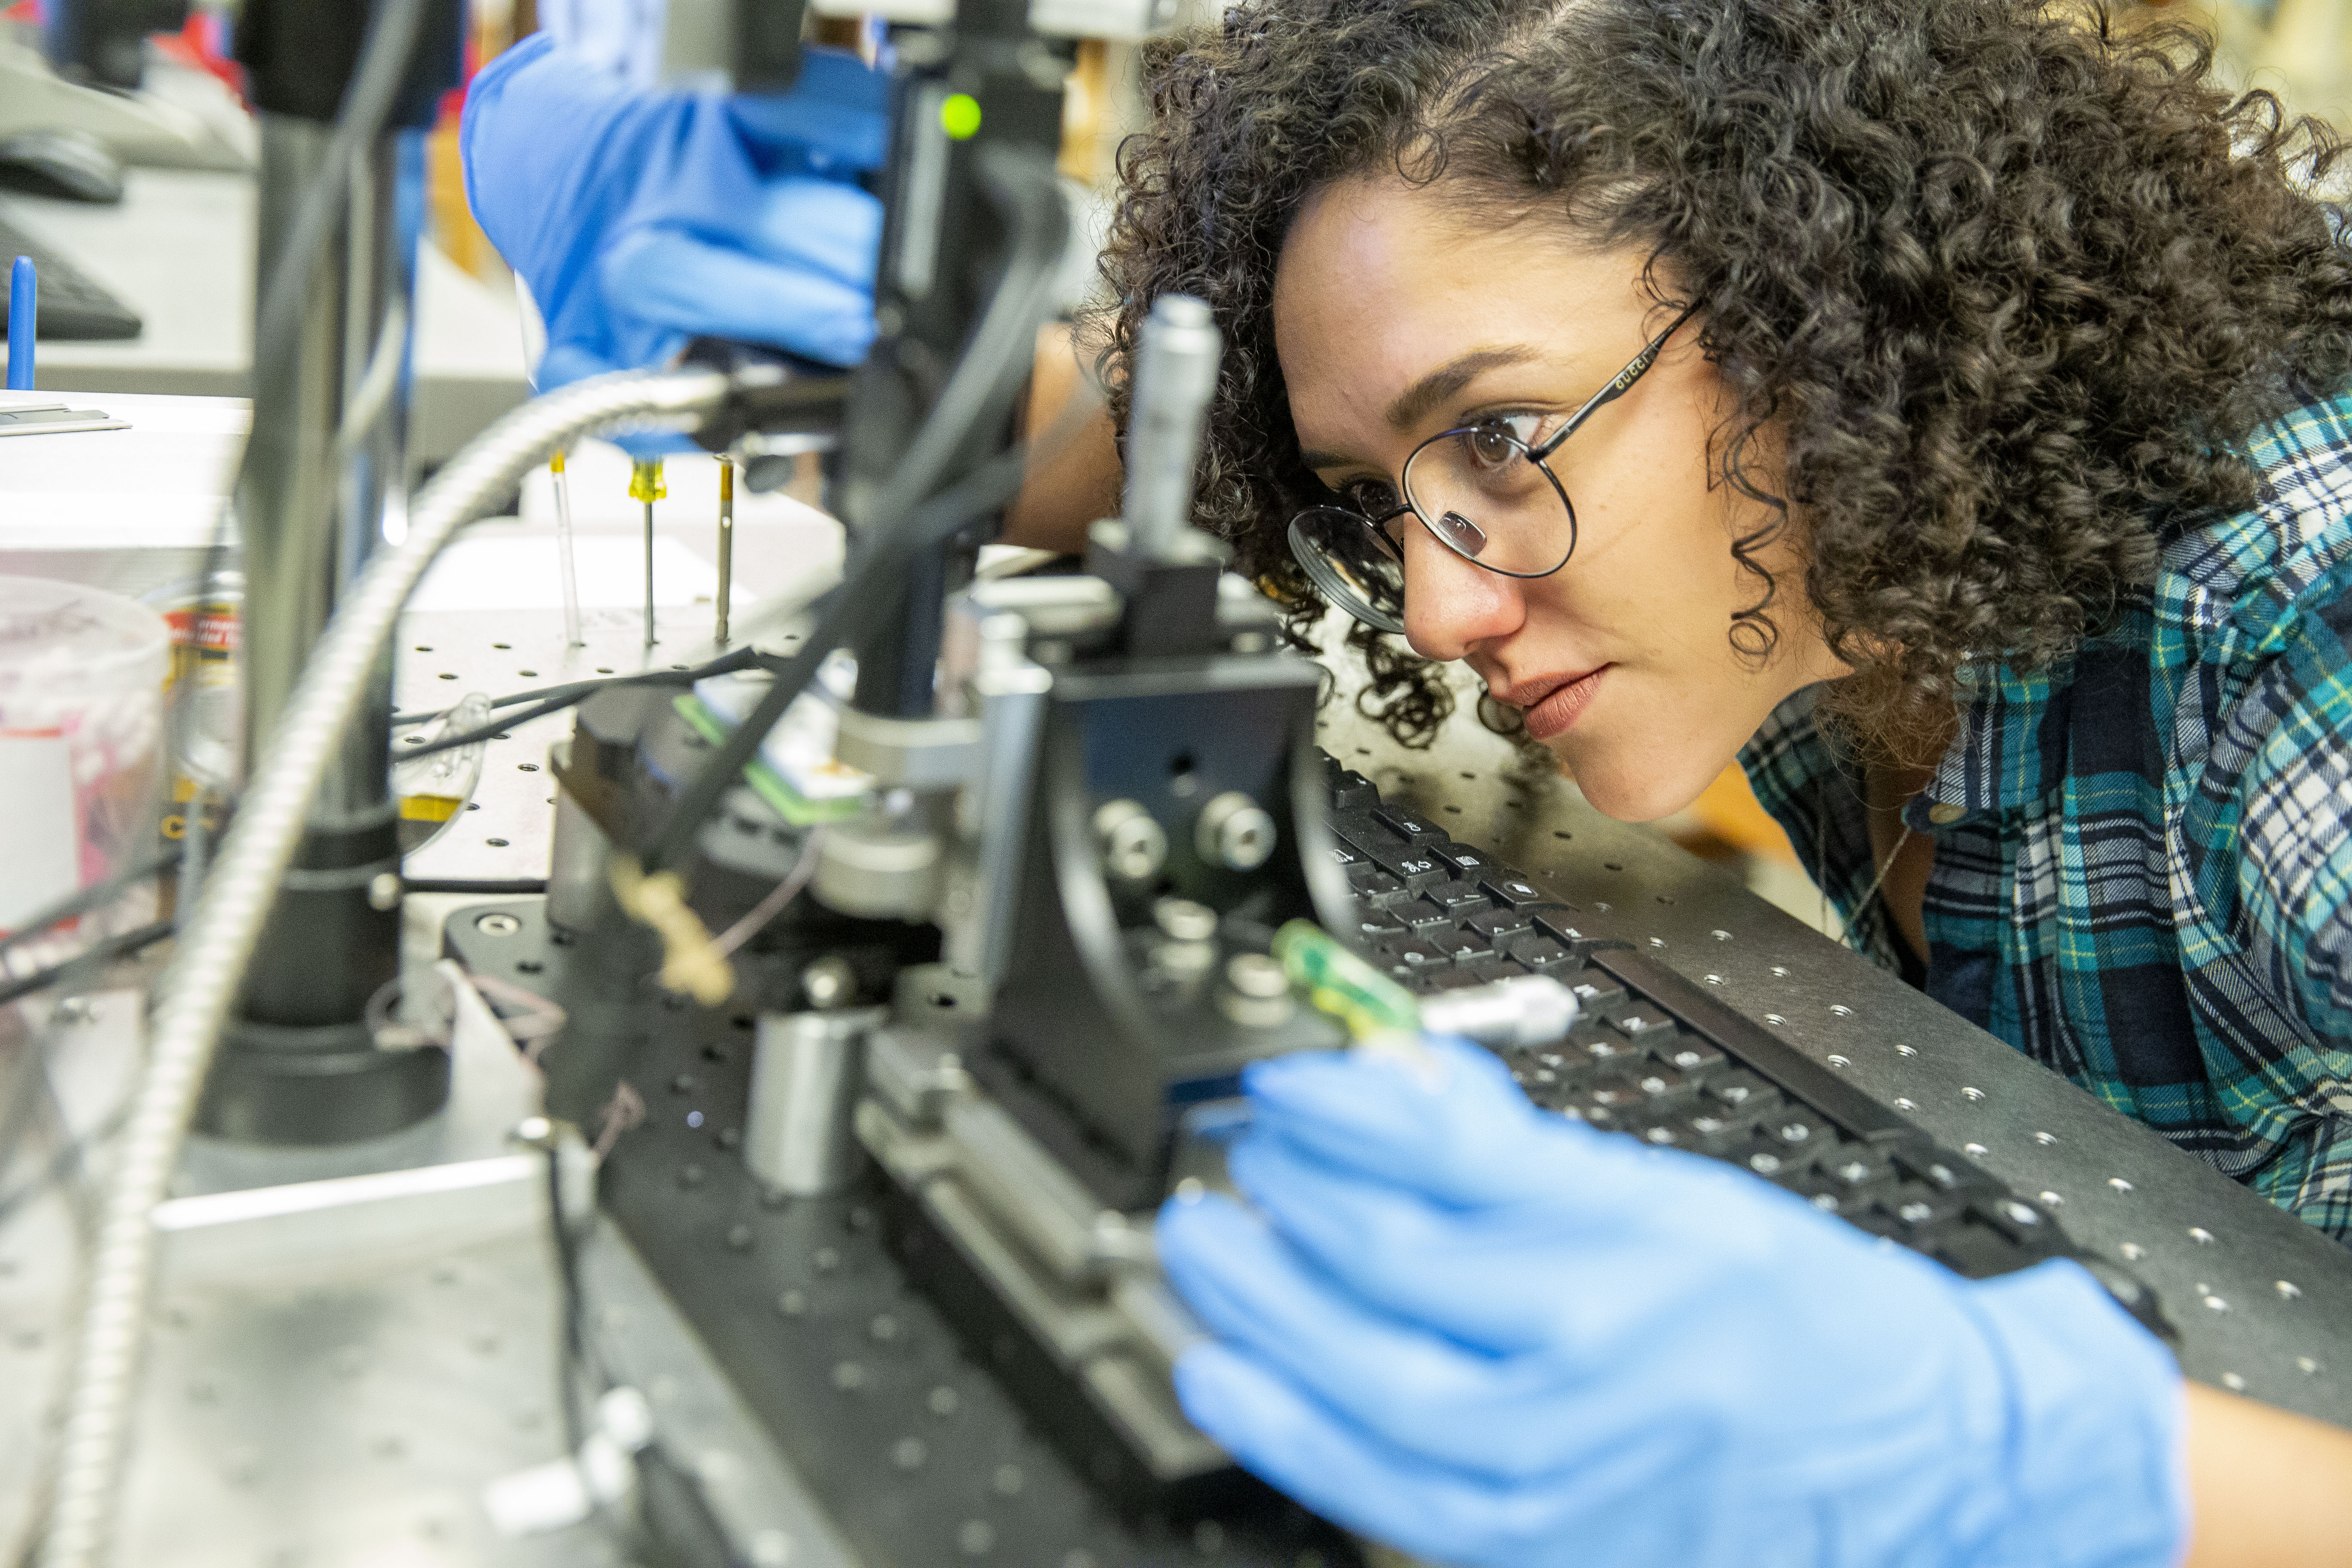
1413	405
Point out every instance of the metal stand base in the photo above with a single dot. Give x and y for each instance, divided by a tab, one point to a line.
318	1086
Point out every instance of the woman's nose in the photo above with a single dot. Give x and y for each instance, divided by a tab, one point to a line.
1450	605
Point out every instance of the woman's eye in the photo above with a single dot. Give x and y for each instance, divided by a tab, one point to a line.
1494	442
1370	496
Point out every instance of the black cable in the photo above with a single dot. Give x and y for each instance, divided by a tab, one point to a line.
487	887
98	952
724	664
61	1168
90	897
34	1071
741	658
911	516
495	730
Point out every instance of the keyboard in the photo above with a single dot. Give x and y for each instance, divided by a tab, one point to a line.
1653	1057
72	308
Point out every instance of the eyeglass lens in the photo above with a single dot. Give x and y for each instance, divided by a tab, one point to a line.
1484	497
1352	563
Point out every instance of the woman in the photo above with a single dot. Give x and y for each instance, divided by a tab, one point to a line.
1937	407
1970	460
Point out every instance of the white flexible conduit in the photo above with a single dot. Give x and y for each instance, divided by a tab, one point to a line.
219	938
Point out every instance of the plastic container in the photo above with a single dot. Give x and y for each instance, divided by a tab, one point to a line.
204	701
81	730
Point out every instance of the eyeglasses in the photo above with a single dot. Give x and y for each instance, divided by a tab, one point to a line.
1481	490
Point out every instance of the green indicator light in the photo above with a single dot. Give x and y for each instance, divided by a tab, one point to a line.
959	116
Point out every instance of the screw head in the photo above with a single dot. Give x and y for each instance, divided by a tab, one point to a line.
498	922
1256	975
829	982
1181	920
384	890
1134	846
1235	832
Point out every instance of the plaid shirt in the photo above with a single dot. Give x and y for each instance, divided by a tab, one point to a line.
2143	870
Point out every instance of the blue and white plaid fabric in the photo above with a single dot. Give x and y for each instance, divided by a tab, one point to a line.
2147	884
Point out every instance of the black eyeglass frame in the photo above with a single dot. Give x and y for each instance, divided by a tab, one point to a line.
1325	574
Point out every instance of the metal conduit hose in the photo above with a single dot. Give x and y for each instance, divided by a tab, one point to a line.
218	942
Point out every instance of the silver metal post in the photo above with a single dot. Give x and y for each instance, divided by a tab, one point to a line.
726	546
327	463
807	1070
1175	376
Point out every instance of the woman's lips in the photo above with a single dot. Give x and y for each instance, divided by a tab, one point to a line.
1555	704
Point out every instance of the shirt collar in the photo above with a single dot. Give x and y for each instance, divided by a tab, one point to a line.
2008	753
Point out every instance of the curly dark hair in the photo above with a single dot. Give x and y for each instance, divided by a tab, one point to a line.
1998	285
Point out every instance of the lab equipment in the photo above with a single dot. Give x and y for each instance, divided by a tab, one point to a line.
333	88
646	485
72	305
726	548
1443	1325
566	564
24	313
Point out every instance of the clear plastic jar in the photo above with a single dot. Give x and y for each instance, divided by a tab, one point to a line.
81	727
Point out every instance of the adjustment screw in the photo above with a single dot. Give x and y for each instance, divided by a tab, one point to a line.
383	891
498	922
1254	974
1235	832
1134	846
829	982
1181	920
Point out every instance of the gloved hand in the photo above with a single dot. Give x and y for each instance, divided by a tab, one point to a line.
1491	1336
641	219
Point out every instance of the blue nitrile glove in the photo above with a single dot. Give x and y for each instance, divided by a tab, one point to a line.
642	219
1491	1336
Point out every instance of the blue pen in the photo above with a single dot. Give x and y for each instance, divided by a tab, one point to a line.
24	305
